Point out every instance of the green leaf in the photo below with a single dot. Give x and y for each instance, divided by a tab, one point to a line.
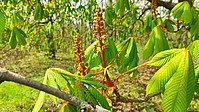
91	56
110	52
197	79
16	18
178	10
2	22
187	13
169	26
90	48
157	42
52	82
81	91
163	57
195	28
109	15
38	12
41	98
121	8
179	89
12	40
128	58
99	97
20	36
163	75
161	43
149	47
177	79
127	5
60	81
183	11
194	48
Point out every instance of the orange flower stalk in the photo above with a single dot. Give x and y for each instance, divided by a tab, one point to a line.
79	56
98	26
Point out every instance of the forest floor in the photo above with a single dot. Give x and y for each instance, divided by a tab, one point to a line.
15	97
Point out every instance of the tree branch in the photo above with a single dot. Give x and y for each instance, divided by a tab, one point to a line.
167	5
6	75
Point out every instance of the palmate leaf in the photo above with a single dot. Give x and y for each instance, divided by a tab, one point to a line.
157	42
128	58
163	75
197	79
180	88
41	97
177	79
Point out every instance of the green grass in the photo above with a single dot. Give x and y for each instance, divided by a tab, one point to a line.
19	98
15	97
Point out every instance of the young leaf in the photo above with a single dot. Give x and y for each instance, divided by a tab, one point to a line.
20	36
195	28
99	97
149	47
169	26
81	91
2	22
41	98
110	51
127	5
128	58
109	15
16	18
60	80
156	43
187	13
12	40
52	82
38	12
178	10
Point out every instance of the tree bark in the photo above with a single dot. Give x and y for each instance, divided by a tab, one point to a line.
170	5
167	5
6	75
